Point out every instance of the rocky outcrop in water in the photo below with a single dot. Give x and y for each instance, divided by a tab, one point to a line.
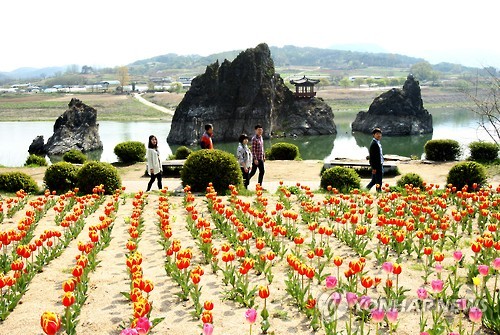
397	112
76	128
235	96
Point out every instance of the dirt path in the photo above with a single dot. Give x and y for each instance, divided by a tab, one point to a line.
162	109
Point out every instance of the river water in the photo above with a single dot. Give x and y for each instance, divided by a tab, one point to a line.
449	123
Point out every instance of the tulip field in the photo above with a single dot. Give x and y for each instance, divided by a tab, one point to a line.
416	261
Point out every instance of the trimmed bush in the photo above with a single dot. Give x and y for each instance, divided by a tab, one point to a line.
411	179
182	152
342	178
74	156
283	151
61	177
94	173
216	166
14	181
467	173
35	160
130	152
483	151
442	150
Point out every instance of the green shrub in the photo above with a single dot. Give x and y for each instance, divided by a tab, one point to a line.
182	152
342	178
94	173
283	151
483	151
61	177
411	179
14	181
442	150
74	156
35	160
467	173
130	152
218	167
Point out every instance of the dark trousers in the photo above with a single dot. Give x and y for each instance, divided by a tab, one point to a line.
152	180
260	166
376	180
246	178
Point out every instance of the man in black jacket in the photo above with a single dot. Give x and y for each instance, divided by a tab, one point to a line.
376	160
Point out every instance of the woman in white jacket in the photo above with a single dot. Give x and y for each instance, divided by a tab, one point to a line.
244	156
153	162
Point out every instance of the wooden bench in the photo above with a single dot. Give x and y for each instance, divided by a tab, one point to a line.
388	166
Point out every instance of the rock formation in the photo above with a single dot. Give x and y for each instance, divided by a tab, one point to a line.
397	112
237	95
37	147
76	128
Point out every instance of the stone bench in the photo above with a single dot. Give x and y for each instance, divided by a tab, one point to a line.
173	163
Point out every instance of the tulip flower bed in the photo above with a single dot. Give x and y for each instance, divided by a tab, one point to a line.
410	262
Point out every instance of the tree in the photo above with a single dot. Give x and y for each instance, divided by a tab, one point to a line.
359	81
345	82
422	71
486	105
123	76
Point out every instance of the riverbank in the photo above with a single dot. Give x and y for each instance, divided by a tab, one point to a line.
305	172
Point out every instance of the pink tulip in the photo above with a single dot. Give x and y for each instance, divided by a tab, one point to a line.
336	298
483	269
475	314
462	304
387	267
457	255
365	302
422	293
208	329
351	298
437	285
331	282
143	325
251	315
129	331
439	267
424	333
496	264
453	333
378	315
392	315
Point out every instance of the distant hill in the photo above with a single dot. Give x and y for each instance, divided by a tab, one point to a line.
32	73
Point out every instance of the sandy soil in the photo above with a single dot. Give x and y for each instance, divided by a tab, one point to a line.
106	308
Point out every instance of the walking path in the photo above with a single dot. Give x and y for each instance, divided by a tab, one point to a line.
162	109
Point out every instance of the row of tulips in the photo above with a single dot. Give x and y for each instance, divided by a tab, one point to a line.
75	288
139	286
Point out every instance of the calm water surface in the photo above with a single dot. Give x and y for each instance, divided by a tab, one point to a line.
449	123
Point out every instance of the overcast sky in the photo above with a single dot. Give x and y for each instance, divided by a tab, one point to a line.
101	33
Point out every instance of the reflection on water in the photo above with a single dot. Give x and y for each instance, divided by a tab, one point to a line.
449	123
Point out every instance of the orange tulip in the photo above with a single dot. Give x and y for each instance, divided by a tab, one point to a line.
50	322
68	299
148	286
337	260
367	281
263	292
208	305
396	269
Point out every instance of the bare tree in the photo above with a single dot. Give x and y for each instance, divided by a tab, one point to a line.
123	75
485	96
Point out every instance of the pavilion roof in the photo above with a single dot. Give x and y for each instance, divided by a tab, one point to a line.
304	81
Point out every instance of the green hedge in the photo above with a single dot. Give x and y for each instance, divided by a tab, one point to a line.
61	177
411	179
130	152
74	156
35	160
182	152
283	151
442	150
14	181
467	173
93	174
483	151
218	167
342	178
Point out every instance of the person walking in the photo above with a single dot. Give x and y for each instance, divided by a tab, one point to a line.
206	139
153	163
244	156
376	160
258	154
